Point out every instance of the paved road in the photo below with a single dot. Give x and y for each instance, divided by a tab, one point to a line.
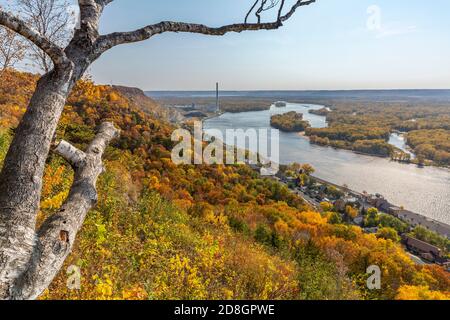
416	259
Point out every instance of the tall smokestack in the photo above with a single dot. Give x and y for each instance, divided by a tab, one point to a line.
217	97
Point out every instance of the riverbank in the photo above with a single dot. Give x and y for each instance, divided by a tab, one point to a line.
303	135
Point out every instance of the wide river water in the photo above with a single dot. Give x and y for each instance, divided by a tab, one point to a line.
422	190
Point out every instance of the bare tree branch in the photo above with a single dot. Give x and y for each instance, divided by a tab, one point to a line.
15	24
280	10
12	48
106	42
263	7
250	11
57	234
52	20
294	8
260	10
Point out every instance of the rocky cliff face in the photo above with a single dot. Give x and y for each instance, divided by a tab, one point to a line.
148	105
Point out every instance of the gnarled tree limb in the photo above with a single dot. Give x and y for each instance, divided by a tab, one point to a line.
90	14
17	25
107	42
57	234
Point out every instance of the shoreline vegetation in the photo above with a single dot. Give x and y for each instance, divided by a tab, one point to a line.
320	112
227	104
371	145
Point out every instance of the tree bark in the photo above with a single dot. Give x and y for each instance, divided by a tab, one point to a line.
21	177
57	234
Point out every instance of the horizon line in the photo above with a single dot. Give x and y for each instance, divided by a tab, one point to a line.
288	90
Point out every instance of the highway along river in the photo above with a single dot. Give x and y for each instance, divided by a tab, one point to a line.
422	190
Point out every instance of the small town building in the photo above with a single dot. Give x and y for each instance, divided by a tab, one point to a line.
423	249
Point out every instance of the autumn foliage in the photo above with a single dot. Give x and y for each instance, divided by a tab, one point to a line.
162	231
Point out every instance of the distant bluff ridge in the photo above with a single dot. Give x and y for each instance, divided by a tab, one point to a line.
148	105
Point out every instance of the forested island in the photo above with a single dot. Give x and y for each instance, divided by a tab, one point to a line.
320	112
280	104
289	122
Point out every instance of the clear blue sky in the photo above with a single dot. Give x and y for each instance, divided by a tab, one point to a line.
327	45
